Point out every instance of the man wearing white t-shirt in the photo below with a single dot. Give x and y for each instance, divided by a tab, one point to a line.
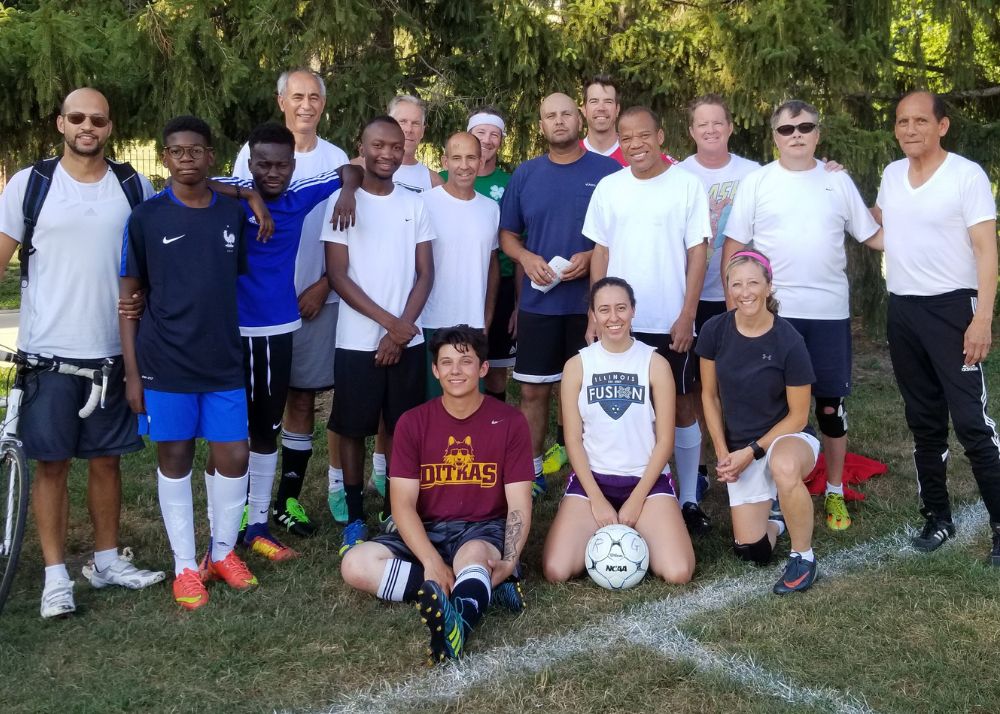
939	217
383	269
302	98
466	268
411	113
68	310
650	226
796	212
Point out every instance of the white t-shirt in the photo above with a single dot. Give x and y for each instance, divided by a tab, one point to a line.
381	260
797	219
648	225
415	177
721	185
607	152
927	246
310	263
70	308
466	236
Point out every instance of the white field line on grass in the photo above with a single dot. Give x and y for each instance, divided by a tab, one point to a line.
654	625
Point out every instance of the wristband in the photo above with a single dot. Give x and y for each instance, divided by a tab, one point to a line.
758	452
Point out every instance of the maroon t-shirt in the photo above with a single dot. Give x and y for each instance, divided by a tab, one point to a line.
462	464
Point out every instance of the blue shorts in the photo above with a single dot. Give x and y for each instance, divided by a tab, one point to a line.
829	346
179	416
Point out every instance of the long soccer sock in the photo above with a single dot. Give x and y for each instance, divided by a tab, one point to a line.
228	497
262	468
296	450
378	464
536	462
209	477
560	436
472	593
335	479
355	503
687	453
400	580
177	507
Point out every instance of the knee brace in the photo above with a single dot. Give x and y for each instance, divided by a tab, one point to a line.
831	416
758	553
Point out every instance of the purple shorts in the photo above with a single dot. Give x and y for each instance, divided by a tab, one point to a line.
617	489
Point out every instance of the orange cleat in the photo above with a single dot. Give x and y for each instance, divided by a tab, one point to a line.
271	548
189	590
232	570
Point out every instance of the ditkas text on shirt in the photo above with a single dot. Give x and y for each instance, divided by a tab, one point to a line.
615	392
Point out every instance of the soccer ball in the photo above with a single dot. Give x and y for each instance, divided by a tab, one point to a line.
617	557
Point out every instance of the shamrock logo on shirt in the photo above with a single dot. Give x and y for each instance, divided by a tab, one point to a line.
496	192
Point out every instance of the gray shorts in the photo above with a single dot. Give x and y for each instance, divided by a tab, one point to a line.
447	537
312	351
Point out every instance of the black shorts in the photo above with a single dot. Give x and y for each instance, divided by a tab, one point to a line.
366	392
545	342
51	429
267	367
502	347
829	346
707	309
682	364
447	537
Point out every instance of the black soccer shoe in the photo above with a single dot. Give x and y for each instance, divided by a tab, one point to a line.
799	575
995	553
696	520
936	531
293	519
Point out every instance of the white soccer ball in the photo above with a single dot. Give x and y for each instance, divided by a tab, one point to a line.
617	557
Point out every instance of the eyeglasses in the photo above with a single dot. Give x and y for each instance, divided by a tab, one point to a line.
195	151
97	120
805	127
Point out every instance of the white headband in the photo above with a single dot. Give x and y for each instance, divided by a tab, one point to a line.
484	118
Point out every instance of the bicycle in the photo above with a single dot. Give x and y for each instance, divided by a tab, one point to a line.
15	479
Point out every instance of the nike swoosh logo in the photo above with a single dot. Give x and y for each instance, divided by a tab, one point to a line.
168	241
190	600
276	426
797	581
407	220
496	421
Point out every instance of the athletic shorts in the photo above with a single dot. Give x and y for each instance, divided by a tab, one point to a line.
545	342
829	346
433	385
367	391
503	347
267	364
179	416
617	489
52	430
447	537
682	364
756	484
312	351
707	309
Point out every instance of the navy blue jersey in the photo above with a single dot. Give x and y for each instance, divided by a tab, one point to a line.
188	260
268	303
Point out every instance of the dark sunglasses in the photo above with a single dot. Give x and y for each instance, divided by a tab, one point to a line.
805	127
97	120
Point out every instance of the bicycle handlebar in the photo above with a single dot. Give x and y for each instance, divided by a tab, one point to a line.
98	377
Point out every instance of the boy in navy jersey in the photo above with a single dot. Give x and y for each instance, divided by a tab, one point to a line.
183	358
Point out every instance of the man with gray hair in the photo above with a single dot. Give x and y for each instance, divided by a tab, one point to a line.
411	114
796	212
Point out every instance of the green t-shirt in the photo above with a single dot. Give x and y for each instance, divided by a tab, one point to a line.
492	186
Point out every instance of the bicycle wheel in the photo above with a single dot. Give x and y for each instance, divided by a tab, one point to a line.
14	484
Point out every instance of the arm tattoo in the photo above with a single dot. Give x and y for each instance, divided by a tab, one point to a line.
512	535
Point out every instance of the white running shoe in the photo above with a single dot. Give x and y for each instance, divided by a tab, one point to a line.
57	599
122	573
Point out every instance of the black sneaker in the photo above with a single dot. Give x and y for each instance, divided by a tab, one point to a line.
799	575
995	553
936	531
293	519
695	519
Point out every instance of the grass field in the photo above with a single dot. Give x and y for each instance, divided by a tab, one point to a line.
884	630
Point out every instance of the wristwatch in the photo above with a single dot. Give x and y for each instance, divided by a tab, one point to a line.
758	452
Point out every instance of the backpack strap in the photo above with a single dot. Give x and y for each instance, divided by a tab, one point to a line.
39	182
129	180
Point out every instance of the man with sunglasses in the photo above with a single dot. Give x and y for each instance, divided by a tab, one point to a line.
68	309
796	212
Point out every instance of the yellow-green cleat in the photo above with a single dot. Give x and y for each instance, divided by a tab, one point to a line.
837	517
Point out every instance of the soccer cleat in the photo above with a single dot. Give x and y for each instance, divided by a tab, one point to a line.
378	483
57	599
704	483
354	533
837	517
555	459
696	520
189	590
995	553
294	519
538	487
337	500
936	531
387	524
799	575
232	571
122	573
443	620
244	523
510	595
271	548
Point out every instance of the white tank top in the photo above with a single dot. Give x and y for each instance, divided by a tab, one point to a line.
616	405
415	177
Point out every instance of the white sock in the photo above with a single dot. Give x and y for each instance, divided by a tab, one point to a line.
537	461
209	477
392	586
55	572
262	468
378	464
336	479
177	508
295	441
228	497
779	524
104	559
807	555
830	488
687	454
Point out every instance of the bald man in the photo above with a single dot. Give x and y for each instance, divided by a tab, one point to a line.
69	310
542	219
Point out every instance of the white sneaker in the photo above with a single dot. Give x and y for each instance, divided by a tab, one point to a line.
57	599
122	573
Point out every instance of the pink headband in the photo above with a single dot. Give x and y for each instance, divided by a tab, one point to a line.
753	255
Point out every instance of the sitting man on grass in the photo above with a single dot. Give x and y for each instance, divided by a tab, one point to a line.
461	498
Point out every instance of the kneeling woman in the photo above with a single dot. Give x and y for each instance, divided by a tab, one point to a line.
618	418
756	377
